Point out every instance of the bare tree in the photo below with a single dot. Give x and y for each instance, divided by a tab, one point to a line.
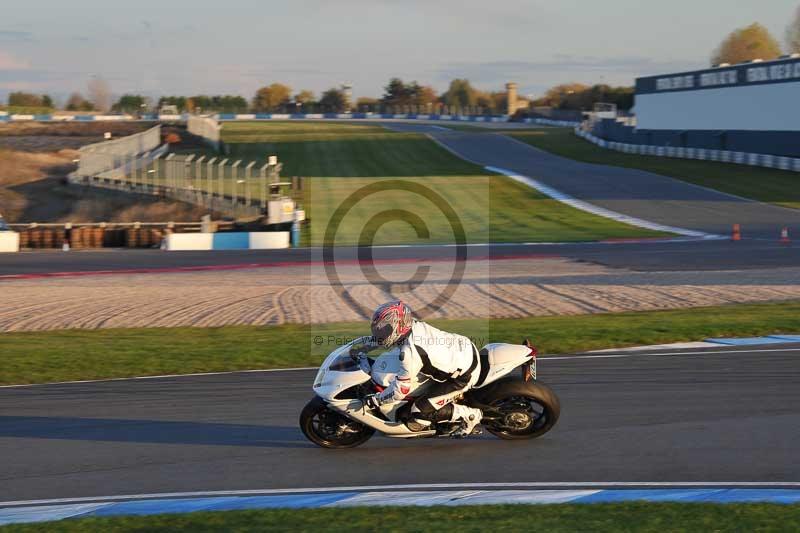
793	34
100	94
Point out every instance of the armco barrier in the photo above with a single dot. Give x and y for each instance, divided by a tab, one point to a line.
702	154
9	241
227	241
551	122
259	116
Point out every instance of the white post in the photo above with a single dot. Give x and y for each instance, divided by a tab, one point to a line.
209	177
221	175
168	178
235	176
187	164
263	176
247	172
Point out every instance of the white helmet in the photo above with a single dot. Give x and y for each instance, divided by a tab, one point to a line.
391	322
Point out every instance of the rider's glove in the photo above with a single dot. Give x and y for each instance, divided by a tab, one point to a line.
357	352
373	401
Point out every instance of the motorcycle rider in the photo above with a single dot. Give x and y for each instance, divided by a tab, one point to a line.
449	360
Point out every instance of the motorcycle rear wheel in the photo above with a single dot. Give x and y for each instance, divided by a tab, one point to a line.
531	409
330	429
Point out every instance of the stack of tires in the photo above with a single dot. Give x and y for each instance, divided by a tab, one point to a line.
42	238
143	237
86	237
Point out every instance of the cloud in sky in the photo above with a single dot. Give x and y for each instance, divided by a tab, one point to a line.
11	36
537	75
9	62
188	47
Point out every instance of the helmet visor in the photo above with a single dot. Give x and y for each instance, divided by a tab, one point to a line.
383	333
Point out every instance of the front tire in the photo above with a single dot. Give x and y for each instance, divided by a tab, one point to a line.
329	429
530	409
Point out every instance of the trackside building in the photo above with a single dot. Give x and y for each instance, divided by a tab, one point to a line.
750	107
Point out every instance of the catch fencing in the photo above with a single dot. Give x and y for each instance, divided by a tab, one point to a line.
105	156
233	187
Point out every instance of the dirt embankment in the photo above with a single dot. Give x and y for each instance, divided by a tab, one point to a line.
36	157
33	188
74	129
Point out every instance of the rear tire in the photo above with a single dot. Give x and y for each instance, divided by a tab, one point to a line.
531	409
329	429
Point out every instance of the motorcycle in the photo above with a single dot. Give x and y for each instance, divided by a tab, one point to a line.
514	407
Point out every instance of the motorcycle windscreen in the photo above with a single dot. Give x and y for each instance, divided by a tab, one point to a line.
344	363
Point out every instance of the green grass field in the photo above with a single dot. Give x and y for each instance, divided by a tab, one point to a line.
41	357
764	184
490	207
599	518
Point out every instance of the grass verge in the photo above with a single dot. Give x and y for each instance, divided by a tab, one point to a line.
491	208
41	357
763	184
344	150
635	516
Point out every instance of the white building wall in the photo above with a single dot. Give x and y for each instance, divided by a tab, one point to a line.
766	107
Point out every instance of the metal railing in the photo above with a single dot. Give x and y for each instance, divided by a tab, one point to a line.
234	187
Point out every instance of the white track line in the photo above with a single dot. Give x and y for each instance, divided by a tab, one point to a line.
256	370
641	354
424	486
162	376
576	203
596	210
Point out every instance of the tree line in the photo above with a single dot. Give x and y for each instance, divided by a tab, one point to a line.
756	42
743	44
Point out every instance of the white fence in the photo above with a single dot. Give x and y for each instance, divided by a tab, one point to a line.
100	157
703	154
207	128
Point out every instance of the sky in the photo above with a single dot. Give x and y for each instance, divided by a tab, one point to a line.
236	46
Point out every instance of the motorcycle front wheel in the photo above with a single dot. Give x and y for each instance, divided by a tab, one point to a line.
328	428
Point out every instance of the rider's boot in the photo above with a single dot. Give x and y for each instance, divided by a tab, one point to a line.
415	424
468	416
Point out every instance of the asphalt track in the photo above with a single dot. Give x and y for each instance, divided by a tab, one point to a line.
631	192
648	256
725	415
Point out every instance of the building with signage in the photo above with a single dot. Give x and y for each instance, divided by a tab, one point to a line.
748	107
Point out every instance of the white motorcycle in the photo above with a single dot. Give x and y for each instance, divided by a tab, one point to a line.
514	407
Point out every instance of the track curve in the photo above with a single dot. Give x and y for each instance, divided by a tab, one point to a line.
713	417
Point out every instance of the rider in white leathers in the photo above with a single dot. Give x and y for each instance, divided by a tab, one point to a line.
450	360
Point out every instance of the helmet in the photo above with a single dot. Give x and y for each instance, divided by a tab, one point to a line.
391	322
